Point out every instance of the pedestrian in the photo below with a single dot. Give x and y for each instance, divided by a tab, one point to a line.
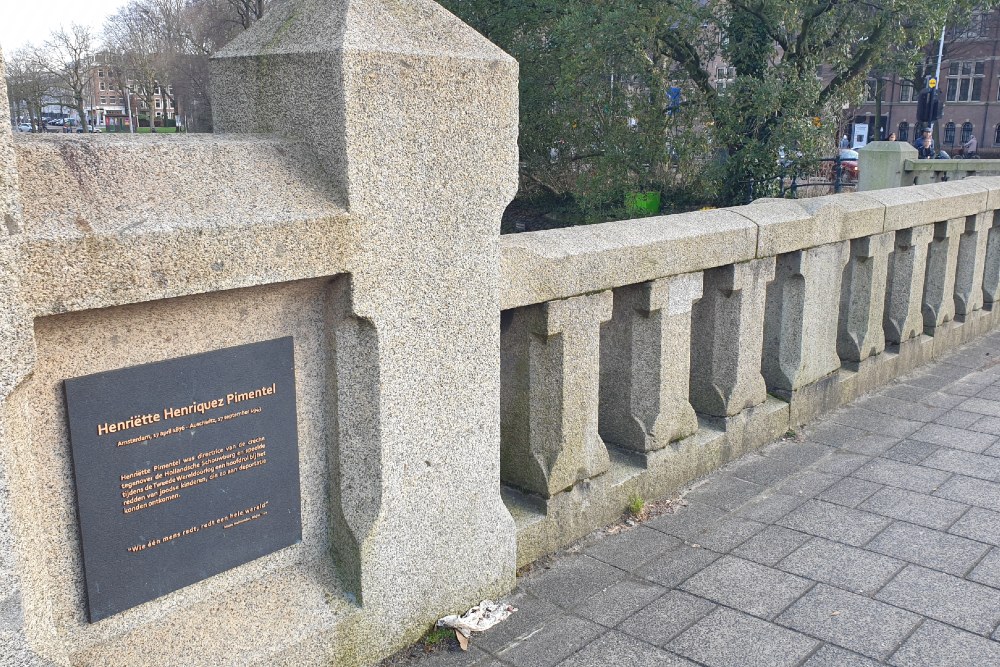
892	136
970	146
924	145
844	143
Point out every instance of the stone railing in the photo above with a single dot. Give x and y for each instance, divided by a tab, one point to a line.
639	355
463	402
884	164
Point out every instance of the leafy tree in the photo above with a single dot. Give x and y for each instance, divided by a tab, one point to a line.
598	118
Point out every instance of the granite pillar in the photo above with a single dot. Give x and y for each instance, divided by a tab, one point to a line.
550	388
727	339
991	268
802	316
645	364
860	334
939	283
903	317
971	263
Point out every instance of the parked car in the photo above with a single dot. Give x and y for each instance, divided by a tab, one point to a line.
848	165
24	127
91	129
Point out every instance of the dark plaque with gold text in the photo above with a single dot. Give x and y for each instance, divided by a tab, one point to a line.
184	468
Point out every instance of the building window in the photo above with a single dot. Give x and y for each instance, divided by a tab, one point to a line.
907	93
104	100
965	81
158	104
949	134
996	136
724	77
966	132
871	85
100	73
904	131
978	27
103	87
159	114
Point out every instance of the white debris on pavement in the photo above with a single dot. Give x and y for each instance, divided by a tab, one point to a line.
482	617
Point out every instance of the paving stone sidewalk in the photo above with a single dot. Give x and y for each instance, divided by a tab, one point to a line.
871	539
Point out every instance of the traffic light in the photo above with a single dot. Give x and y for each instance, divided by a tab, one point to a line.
929	107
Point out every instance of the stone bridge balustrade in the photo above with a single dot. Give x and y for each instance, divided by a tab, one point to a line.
971	264
907	267
860	334
991	269
809	239
939	284
894	164
550	365
729	329
790	321
435	364
645	364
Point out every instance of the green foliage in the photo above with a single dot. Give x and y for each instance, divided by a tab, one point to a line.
636	504
597	119
437	635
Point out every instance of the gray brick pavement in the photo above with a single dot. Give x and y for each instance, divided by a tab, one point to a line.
871	539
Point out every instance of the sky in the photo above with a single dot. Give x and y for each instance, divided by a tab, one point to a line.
23	21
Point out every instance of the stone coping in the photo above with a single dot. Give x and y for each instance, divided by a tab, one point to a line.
952	165
557	264
76	186
117	219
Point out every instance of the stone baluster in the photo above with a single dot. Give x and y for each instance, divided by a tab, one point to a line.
862	300
645	364
907	264
550	361
991	269
802	317
727	337
971	260
939	282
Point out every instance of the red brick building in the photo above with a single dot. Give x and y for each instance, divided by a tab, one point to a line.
969	84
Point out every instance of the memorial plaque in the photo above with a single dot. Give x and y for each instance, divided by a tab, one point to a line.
184	468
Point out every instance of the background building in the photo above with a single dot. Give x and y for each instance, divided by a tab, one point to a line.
969	84
110	96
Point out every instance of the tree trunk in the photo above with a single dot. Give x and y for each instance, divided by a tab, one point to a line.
84	122
876	131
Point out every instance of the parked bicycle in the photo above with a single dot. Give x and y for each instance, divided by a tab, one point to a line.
962	154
